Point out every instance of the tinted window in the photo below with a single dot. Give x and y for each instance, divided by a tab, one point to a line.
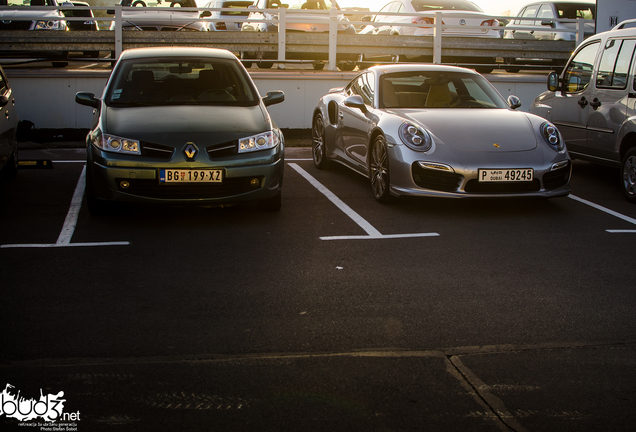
364	86
574	10
432	6
178	81
529	12
615	62
578	74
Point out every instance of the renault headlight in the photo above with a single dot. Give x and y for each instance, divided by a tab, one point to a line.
415	137
115	144
263	141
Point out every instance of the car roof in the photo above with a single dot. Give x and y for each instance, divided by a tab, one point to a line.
616	31
393	68
176	52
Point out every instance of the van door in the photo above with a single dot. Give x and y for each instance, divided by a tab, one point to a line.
570	106
609	108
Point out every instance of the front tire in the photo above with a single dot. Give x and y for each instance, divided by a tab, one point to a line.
318	144
379	174
628	175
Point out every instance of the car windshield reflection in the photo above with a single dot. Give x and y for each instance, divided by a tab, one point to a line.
181	81
438	90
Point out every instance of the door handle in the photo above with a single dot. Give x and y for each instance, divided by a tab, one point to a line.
583	102
595	103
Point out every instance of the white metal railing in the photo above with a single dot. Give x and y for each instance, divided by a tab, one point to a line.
283	16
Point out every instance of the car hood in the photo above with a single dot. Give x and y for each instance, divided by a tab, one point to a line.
151	18
174	125
24	14
478	130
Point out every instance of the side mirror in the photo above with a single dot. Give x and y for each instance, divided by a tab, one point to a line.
110	11
205	14
3	101
88	99
553	82
366	18
274	97
355	101
514	102
548	23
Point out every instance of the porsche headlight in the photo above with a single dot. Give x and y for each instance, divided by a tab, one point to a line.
415	137
115	144
266	140
551	135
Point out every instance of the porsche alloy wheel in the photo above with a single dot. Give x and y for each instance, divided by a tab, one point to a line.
629	175
318	142
379	170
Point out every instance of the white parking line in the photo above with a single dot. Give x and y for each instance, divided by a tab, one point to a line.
64	240
608	211
373	234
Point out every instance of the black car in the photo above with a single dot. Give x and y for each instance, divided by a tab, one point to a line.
8	129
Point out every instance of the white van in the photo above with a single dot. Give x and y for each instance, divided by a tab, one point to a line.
592	102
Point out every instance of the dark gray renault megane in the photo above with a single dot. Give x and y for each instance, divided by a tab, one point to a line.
182	126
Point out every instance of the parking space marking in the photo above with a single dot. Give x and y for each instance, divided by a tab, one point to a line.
608	211
373	234
64	239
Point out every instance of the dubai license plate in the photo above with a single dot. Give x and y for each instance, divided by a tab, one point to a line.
190	176
506	175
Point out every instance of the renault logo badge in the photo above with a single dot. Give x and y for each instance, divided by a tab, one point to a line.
496	145
462	22
191	151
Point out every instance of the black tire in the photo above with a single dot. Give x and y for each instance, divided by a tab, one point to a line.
318	143
272	204
628	175
265	64
319	65
379	174
347	66
10	170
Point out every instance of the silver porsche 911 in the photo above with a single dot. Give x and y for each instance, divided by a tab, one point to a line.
429	130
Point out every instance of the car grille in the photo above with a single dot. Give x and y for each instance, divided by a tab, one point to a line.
474	186
151	188
221	150
557	178
156	151
15	25
436	180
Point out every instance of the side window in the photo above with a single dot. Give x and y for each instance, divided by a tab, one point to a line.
530	12
364	87
545	12
3	84
578	74
615	62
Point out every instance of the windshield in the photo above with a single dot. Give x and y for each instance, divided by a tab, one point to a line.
28	3
437	5
438	90
179	81
576	10
159	3
304	4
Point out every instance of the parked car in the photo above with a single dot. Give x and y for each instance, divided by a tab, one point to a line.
26	16
454	12
8	129
88	24
228	16
147	17
182	125
542	23
593	102
439	131
267	59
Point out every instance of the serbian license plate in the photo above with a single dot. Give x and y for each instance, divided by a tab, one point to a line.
190	176
506	175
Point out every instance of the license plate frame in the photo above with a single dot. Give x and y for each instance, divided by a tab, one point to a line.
190	176
505	175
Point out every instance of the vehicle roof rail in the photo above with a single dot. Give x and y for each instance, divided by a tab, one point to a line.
622	24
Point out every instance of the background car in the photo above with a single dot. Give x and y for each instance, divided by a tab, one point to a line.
542	24
88	24
147	17
442	131
266	59
455	12
27	17
593	103
182	126
8	129
228	24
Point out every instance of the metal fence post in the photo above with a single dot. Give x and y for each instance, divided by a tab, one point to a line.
437	39
282	34
333	39
580	31
118	31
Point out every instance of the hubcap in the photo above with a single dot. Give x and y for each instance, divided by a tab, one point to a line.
629	175
379	169
317	141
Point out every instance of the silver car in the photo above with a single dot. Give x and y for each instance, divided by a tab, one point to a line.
444	131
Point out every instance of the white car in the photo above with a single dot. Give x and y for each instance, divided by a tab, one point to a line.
457	13
147	17
228	16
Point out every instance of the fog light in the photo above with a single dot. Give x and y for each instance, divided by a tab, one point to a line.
124	184
255	182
